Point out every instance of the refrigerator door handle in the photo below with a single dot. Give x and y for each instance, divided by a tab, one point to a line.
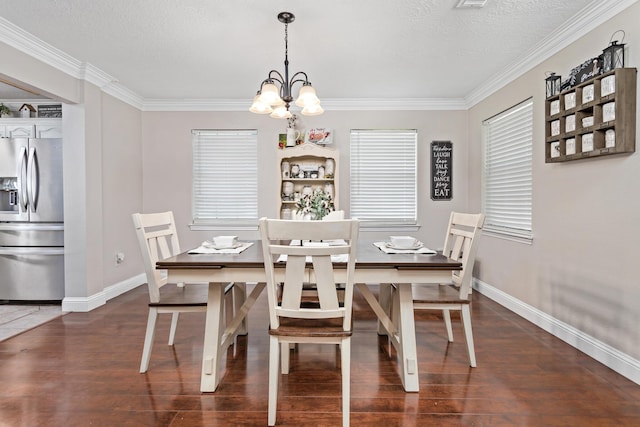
22	251
32	179
22	178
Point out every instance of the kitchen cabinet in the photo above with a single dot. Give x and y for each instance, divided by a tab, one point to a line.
30	128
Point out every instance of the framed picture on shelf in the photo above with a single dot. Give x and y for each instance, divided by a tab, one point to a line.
282	140
54	111
320	136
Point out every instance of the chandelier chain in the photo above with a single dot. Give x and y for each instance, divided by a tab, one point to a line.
286	41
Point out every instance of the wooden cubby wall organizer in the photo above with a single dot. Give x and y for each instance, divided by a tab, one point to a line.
314	161
594	118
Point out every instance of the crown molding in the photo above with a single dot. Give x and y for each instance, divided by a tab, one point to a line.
364	104
196	104
589	18
125	95
394	104
579	25
29	44
95	76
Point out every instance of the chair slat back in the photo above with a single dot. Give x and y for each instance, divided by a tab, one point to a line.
460	244
276	234
158	239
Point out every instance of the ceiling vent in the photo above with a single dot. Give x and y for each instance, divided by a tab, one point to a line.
466	4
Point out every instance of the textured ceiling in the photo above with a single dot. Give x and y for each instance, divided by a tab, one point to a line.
206	49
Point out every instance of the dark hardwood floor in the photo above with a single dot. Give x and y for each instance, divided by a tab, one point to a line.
82	370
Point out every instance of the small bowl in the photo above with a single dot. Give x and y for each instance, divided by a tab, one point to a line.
225	241
403	241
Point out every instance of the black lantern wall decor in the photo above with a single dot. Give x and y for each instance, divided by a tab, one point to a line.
553	84
613	55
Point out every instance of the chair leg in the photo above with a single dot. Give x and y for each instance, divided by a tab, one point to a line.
174	326
285	353
345	361
148	340
446	314
274	376
468	333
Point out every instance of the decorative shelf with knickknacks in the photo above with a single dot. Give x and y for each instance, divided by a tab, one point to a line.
308	173
594	117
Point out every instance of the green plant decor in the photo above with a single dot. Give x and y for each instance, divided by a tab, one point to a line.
317	205
4	110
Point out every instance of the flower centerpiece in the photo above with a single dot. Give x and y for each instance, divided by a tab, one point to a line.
315	205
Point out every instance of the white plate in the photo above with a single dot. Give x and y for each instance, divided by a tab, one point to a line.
418	245
212	245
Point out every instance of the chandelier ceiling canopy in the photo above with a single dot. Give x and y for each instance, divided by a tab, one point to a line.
275	93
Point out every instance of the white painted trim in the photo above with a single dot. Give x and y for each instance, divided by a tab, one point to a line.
620	362
343	104
84	304
592	16
589	18
394	104
29	44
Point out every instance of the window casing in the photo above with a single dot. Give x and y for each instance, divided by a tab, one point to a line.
225	180
507	174
383	166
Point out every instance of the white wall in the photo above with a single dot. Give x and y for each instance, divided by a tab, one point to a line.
582	266
121	188
167	160
102	179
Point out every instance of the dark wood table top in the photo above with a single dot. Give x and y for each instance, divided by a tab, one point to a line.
368	256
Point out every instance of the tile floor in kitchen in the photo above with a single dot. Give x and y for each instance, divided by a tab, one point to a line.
15	319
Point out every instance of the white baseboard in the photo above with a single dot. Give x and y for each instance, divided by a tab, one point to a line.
91	302
620	362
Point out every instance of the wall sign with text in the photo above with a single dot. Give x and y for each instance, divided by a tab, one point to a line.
441	164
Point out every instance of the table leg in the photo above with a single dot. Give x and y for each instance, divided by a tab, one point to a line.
387	326
239	297
212	334
384	295
240	316
407	331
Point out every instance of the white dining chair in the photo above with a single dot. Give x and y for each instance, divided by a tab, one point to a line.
333	215
461	243
293	317
158	239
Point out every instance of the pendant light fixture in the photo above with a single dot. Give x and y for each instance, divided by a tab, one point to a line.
275	93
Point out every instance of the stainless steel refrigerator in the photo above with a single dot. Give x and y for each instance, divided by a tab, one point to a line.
31	220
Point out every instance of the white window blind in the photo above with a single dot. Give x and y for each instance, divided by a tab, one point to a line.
383	176
225	181
507	185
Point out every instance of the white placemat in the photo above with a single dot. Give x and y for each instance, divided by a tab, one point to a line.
387	250
334	258
205	248
321	243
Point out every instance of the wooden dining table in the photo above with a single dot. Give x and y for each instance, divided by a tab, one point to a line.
373	267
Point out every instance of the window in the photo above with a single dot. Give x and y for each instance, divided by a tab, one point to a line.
225	181
507	180
383	177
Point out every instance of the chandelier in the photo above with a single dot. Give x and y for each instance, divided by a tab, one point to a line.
274	95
